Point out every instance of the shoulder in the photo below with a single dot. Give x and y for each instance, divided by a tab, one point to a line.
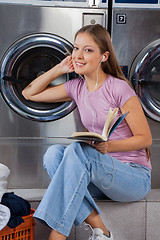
118	85
113	81
74	86
119	90
75	82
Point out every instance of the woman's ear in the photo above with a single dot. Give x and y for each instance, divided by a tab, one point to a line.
105	56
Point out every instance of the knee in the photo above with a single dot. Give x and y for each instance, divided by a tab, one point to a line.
77	146
75	153
53	156
74	148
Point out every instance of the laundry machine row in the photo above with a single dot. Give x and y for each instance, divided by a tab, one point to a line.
136	38
35	36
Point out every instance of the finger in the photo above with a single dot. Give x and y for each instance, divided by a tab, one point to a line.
70	64
98	144
71	67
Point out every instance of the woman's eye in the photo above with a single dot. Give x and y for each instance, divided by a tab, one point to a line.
89	50
75	48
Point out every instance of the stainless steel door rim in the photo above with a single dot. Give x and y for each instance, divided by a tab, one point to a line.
19	62
145	76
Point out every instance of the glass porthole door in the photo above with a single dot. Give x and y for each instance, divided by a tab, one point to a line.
25	60
145	76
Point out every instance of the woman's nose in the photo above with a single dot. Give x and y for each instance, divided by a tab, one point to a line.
79	54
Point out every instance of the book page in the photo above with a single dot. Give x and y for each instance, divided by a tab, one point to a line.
116	124
87	138
110	117
87	134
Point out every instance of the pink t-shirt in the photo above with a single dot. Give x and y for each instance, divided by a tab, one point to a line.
94	107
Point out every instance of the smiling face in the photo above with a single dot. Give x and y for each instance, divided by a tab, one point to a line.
86	55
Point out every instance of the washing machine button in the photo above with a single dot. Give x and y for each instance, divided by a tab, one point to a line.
121	18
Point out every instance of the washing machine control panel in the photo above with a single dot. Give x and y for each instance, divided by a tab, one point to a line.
136	3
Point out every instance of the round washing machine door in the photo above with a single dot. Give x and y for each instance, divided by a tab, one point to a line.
145	76
25	60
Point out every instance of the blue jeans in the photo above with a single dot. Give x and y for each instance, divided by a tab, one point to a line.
67	200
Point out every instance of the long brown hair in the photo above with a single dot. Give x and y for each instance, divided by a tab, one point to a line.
102	38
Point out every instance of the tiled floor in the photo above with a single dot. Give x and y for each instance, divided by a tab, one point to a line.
127	221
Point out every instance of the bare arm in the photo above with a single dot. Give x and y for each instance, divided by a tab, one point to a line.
138	124
38	89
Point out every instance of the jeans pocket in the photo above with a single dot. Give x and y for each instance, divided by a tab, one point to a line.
139	166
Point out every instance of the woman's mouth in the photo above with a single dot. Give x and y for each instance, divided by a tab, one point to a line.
79	64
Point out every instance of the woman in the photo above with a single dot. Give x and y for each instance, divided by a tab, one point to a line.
120	167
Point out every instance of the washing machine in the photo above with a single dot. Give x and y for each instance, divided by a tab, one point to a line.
35	36
136	38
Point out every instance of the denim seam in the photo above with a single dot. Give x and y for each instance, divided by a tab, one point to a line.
74	197
47	216
100	163
143	170
83	216
131	164
90	209
147	184
95	159
145	175
91	159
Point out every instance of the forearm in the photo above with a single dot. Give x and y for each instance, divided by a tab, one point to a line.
41	83
130	144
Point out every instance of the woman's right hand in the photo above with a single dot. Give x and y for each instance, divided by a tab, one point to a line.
38	90
66	65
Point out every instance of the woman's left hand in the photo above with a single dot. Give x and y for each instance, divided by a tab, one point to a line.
101	146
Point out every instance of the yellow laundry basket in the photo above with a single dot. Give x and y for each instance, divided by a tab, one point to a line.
25	231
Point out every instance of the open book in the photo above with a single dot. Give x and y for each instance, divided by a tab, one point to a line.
107	130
